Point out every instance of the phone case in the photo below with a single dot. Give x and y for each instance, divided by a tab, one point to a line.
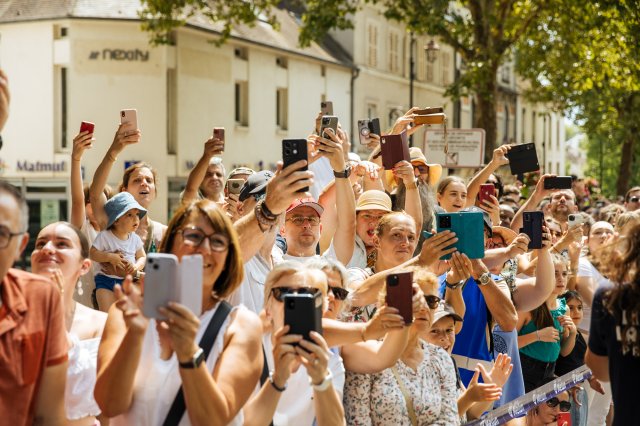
429	119
532	226
129	116
429	111
294	150
374	126
486	190
469	228
326	108
523	158
558	182
234	186
303	314
160	282
394	148
190	285
328	122
87	126
363	131
399	294
563	419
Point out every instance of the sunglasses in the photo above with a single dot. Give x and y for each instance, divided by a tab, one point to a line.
279	292
565	406
634	199
422	169
432	301
339	293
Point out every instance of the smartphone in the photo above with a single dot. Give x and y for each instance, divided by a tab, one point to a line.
469	228
87	126
486	190
190	285
429	111
564	419
160	282
426	235
366	127
532	226
234	186
303	313
326	107
523	158
328	122
575	219
218	133
399	294
429	119
294	150
394	148
129	116
558	182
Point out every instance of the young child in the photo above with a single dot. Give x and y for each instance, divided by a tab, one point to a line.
118	248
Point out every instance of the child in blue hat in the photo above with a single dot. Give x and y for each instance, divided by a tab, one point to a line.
118	248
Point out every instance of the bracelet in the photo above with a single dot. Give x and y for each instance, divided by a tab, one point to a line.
324	384
265	223
537	336
111	157
267	213
273	383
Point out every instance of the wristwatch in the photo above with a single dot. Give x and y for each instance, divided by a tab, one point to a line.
276	387
343	174
195	361
484	279
324	384
455	285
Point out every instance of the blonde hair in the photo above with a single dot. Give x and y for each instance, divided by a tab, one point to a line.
289	268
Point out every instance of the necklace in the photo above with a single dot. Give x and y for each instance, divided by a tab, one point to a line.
68	320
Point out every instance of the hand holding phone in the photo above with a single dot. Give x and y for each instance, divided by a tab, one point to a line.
303	313
558	182
523	158
485	193
87	126
130	117
394	148
294	150
327	108
234	186
328	122
400	294
532	226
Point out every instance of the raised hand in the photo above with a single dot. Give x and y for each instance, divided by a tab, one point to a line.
500	155
125	135
282	189
482	391
499	374
567	323
518	246
437	246
461	268
182	327
314	356
383	321
81	142
129	301
212	147
492	207
284	355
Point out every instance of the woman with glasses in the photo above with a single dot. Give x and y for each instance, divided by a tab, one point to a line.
61	253
547	413
143	363
305	380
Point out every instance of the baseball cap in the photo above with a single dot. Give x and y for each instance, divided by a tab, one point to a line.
445	310
119	204
435	170
374	199
240	171
255	184
485	216
306	202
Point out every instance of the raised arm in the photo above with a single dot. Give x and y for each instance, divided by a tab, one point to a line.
497	298
125	135
81	142
499	159
533	292
327	200
532	202
412	205
212	147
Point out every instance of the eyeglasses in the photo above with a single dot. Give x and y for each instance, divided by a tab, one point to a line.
279	292
194	237
300	220
422	169
339	293
6	235
565	406
432	301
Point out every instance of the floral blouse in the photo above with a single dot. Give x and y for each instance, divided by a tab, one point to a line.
376	399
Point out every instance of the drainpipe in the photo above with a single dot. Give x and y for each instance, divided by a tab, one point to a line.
355	72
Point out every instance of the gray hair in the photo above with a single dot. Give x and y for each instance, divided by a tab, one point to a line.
324	263
20	201
217	161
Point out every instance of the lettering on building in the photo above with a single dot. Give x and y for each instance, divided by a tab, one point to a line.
29	166
131	55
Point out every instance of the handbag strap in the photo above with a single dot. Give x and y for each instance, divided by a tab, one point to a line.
206	343
265	373
407	398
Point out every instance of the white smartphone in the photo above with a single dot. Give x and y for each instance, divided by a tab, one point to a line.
160	281
190	294
129	116
575	219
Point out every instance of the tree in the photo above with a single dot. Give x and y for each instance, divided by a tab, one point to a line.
584	56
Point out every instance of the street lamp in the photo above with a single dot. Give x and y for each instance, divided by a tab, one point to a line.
432	48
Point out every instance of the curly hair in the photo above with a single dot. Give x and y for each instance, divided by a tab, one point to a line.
624	271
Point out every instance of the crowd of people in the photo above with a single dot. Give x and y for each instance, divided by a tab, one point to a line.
77	348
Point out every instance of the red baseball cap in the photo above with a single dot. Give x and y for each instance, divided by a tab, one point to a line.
306	202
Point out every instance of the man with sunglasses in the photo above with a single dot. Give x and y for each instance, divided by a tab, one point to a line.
33	342
632	199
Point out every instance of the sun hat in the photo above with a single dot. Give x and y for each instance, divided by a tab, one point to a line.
119	204
374	199
306	202
445	310
435	170
256	184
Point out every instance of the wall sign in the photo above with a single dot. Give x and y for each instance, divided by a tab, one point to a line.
120	55
466	147
30	166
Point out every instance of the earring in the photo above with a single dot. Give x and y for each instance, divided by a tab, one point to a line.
79	288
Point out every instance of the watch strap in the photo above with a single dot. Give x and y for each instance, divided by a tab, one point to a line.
454	286
324	385
343	174
484	279
195	360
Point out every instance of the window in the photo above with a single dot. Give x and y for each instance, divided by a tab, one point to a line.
446	68
241	53
242	103
61	90
394	114
172	119
372	110
323	70
394	47
60	32
282	108
372	45
282	62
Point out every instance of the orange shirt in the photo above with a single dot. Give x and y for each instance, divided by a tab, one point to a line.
32	337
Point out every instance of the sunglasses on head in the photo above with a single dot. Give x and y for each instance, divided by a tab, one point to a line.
565	406
339	293
279	292
432	301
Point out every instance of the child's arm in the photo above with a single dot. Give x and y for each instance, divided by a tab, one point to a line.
141	259
116	259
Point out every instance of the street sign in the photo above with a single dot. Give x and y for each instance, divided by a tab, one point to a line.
466	147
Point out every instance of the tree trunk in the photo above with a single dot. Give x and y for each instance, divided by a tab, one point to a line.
486	116
622	184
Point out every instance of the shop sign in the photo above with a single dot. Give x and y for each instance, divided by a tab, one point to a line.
38	166
120	55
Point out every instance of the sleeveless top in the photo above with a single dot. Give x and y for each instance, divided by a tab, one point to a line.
545	351
81	378
157	381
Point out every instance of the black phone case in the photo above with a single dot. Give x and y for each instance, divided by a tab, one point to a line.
532	226
374	126
523	158
303	314
394	148
558	182
294	150
399	294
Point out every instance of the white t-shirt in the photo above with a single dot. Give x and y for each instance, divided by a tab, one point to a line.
251	290
358	258
322	175
295	407
107	242
299	259
586	269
